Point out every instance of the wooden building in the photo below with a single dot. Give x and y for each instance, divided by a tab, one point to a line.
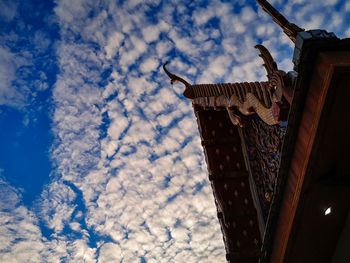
282	191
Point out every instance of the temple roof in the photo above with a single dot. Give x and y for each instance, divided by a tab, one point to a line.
229	179
260	89
268	180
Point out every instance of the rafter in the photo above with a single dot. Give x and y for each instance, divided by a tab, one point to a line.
290	29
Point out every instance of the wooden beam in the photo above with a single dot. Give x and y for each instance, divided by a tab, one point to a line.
290	29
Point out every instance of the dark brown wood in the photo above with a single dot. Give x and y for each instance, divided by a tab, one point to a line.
290	29
302	161
229	177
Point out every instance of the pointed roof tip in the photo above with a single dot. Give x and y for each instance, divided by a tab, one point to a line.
174	78
290	29
269	63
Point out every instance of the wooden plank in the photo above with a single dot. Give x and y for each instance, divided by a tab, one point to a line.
308	127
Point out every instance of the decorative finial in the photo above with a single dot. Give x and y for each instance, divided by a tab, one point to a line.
290	29
174	78
269	64
278	79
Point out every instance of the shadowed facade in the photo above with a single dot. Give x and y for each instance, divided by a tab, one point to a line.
276	152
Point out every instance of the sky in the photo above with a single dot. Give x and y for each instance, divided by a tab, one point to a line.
100	156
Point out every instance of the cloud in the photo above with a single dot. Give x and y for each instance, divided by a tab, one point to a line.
132	50
17	223
151	64
110	252
113	44
130	181
9	94
8	10
150	33
247	14
25	52
57	206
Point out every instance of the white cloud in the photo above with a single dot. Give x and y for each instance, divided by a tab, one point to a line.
315	22
149	65
347	6
331	2
17	223
133	49
219	65
10	94
203	15
184	44
113	44
131	179
162	48
110	253
347	32
57	205
150	33
8	10
247	14
69	12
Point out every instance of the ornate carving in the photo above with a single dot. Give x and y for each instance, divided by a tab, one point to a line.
249	98
251	104
263	144
278	80
235	118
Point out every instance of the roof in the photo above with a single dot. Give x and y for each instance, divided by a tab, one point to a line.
229	178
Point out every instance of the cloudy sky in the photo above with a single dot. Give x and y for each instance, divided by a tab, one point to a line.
100	157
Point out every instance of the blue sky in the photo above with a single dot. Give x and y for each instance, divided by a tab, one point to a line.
100	157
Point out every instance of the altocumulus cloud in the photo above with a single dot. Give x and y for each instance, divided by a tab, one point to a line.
129	181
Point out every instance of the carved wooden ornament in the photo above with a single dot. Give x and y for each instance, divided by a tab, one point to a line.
265	99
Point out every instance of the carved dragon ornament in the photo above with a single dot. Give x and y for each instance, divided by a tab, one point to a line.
280	95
